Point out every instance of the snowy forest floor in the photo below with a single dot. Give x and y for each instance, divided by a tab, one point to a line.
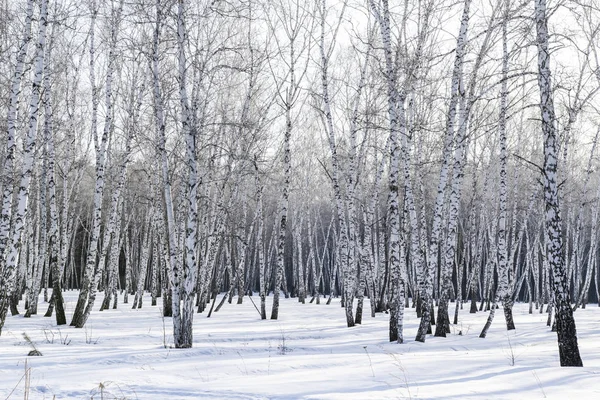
308	353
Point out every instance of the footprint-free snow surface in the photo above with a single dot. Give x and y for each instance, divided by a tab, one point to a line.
308	353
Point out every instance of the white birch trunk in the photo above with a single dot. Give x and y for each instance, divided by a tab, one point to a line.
88	273
427	284
111	244
185	339
566	330
577	251
348	269
113	249
146	242
460	154
53	234
11	144
397	118
242	247
260	247
93	270
504	293
9	269
581	299
40	244
173	266
156	262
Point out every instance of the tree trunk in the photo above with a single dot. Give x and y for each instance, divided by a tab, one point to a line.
53	235
8	265
11	144
566	330
427	284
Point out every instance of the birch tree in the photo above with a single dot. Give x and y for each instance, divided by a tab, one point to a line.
293	22
396	115
9	264
346	250
11	121
565	323
184	337
53	234
434	245
93	268
504	288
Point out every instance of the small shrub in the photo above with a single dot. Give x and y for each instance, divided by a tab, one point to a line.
34	351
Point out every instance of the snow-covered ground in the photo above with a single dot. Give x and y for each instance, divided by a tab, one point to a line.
308	353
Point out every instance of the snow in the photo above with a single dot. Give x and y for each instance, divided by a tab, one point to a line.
308	353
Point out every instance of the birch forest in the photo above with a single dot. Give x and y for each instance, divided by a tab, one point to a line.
432	157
